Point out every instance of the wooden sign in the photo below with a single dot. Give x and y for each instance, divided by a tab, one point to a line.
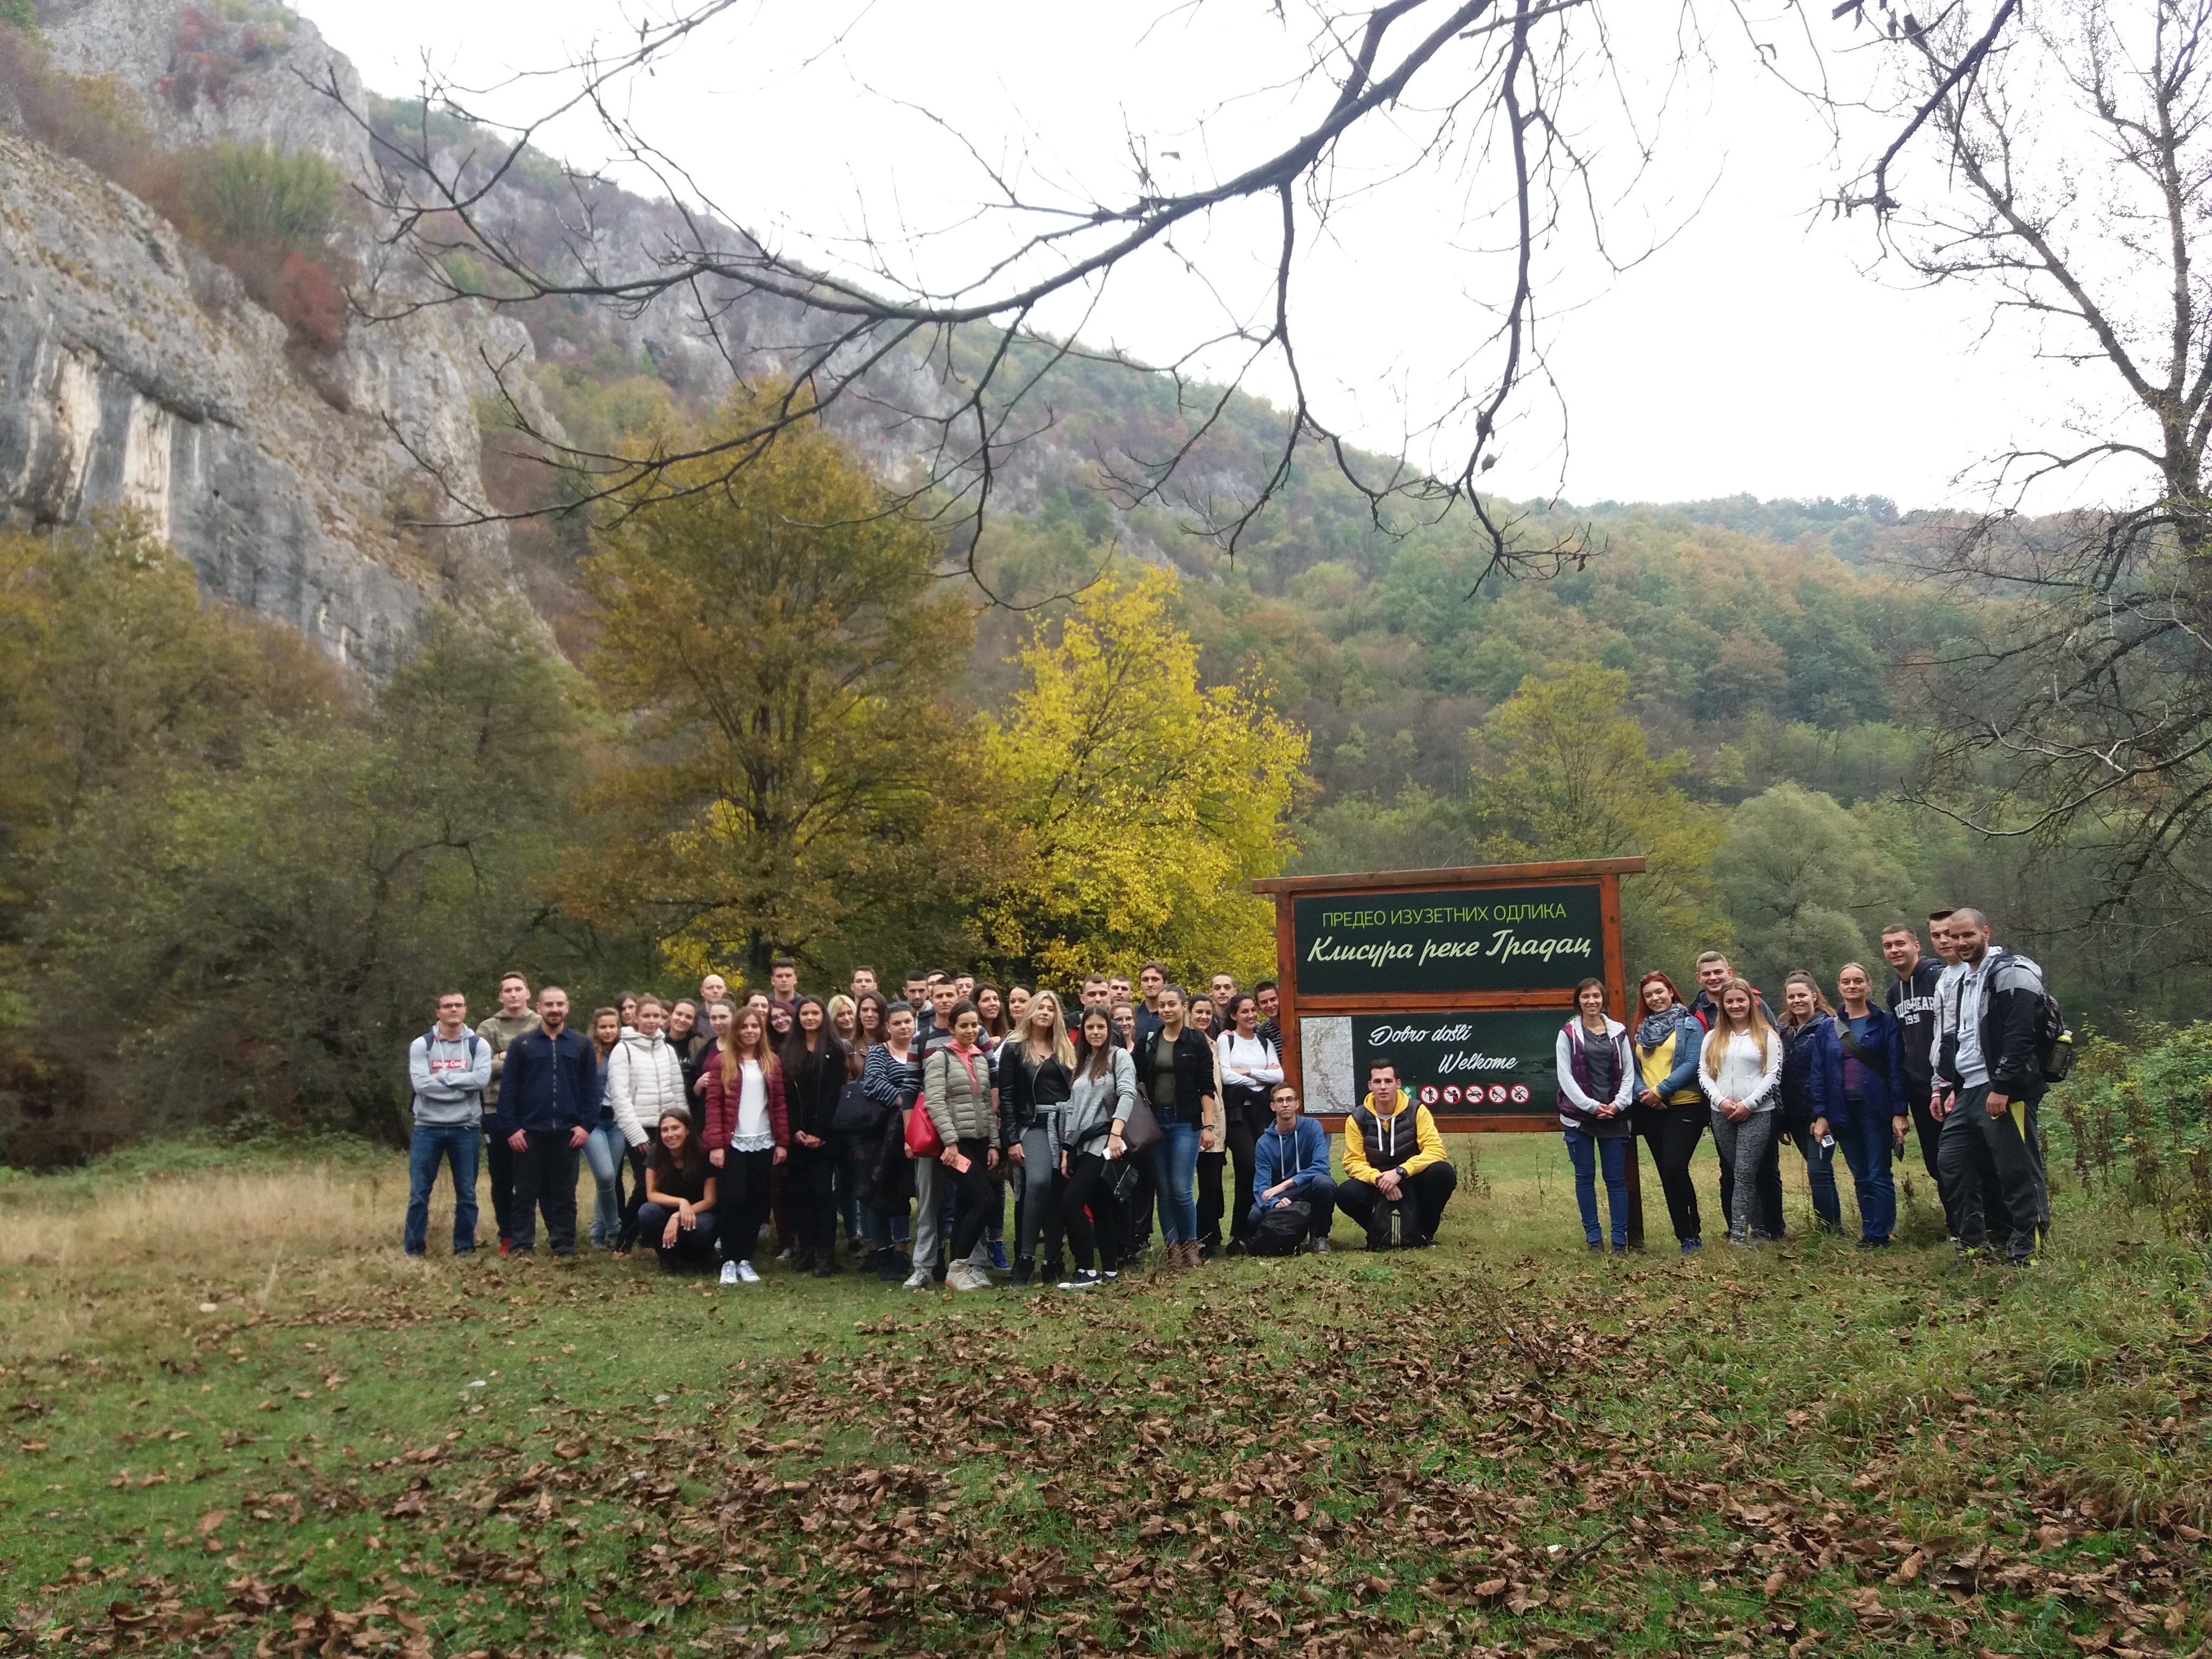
1466	950
1462	977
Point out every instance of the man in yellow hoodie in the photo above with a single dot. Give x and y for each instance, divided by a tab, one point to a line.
1393	1154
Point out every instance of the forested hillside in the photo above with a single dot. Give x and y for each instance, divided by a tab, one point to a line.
1064	730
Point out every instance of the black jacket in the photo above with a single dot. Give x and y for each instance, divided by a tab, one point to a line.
1193	1074
1913	1001
548	1084
812	1083
1020	1094
2012	1015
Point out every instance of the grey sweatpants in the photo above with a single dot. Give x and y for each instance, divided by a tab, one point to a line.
1741	1147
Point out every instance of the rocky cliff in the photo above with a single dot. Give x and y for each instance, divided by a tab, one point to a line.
135	373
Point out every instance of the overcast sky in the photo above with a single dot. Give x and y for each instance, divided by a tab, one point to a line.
1761	348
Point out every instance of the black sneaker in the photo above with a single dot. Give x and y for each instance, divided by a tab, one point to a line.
1238	1247
1025	1269
1874	1243
1081	1280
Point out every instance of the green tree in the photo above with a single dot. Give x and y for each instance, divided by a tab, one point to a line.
1565	772
1806	882
1143	799
780	648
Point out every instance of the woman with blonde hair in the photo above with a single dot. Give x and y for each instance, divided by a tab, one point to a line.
1740	1071
1036	1071
1806	1024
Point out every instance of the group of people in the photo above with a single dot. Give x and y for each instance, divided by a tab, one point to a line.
718	1128
713	1123
1959	1057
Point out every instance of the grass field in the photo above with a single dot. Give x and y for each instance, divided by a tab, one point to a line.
240	1421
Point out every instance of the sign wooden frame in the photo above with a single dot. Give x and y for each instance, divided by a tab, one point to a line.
1287	890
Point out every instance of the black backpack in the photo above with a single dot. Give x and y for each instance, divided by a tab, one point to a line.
2054	1041
1282	1228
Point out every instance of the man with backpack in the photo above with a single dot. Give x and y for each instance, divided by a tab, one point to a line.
1993	1023
449	1067
1293	1197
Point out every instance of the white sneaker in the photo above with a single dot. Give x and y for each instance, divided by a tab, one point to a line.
746	1275
920	1279
729	1273
964	1276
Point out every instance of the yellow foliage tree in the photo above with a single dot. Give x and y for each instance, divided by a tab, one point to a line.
795	781
1143	800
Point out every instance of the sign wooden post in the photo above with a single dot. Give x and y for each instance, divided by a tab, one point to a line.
1463	977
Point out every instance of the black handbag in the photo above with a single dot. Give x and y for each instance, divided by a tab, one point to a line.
856	1115
1120	1181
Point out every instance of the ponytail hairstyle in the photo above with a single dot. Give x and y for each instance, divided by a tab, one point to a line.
1716	1040
1799	976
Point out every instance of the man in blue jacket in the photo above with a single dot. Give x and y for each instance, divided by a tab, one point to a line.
547	1100
1291	1166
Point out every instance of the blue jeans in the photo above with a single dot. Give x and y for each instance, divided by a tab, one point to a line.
1865	1144
1588	1151
1819	1173
605	1152
430	1143
1175	1172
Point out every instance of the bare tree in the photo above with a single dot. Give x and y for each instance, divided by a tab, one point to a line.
1488	90
2062	162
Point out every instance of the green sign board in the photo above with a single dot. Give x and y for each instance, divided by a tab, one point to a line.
1492	1060
1480	938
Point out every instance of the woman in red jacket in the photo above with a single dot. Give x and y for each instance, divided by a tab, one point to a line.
748	1134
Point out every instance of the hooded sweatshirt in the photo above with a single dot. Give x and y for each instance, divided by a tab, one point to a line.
1404	1139
645	1078
1300	1157
449	1075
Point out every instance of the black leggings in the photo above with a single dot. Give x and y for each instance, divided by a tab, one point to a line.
975	1199
742	1195
1239	1153
811	1182
1086	1198
1673	1132
633	1200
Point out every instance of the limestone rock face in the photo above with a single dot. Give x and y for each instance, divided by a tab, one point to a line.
134	373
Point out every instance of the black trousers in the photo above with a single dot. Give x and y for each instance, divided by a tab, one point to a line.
741	1197
1431	1190
499	1165
1673	1132
1979	1150
634	1198
1092	1219
545	1179
975	1199
1929	1134
1770	1187
694	1249
1137	1225
812	1183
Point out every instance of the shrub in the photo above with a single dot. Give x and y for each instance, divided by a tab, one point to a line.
2141	1114
251	195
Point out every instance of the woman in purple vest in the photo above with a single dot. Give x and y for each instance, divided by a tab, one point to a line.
1597	1082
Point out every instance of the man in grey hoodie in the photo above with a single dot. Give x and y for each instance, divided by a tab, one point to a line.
449	1067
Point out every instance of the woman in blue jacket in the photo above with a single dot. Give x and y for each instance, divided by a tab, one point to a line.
1860	1096
1805	1017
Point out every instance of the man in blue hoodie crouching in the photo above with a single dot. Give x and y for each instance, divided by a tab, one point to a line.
1291	1166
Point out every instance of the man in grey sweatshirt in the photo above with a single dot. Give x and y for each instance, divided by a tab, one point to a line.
449	1067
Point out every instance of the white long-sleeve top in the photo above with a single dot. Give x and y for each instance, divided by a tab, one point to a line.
1741	1075
1251	1062
645	1078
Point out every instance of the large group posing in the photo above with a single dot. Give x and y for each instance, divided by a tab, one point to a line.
1959	1059
719	1128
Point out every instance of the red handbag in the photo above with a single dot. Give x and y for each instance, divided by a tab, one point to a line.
922	1139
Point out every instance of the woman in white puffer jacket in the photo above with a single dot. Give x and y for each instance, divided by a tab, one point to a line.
645	1078
1741	1073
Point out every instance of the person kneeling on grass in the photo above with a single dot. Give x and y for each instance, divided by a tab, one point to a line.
1290	1175
678	1216
1394	1156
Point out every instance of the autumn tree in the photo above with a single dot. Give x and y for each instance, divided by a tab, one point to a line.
777	644
1143	800
1807	885
1565	772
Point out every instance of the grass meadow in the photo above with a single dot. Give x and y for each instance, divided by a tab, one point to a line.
239	1421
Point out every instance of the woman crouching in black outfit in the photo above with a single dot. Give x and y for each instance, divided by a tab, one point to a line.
677	1215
